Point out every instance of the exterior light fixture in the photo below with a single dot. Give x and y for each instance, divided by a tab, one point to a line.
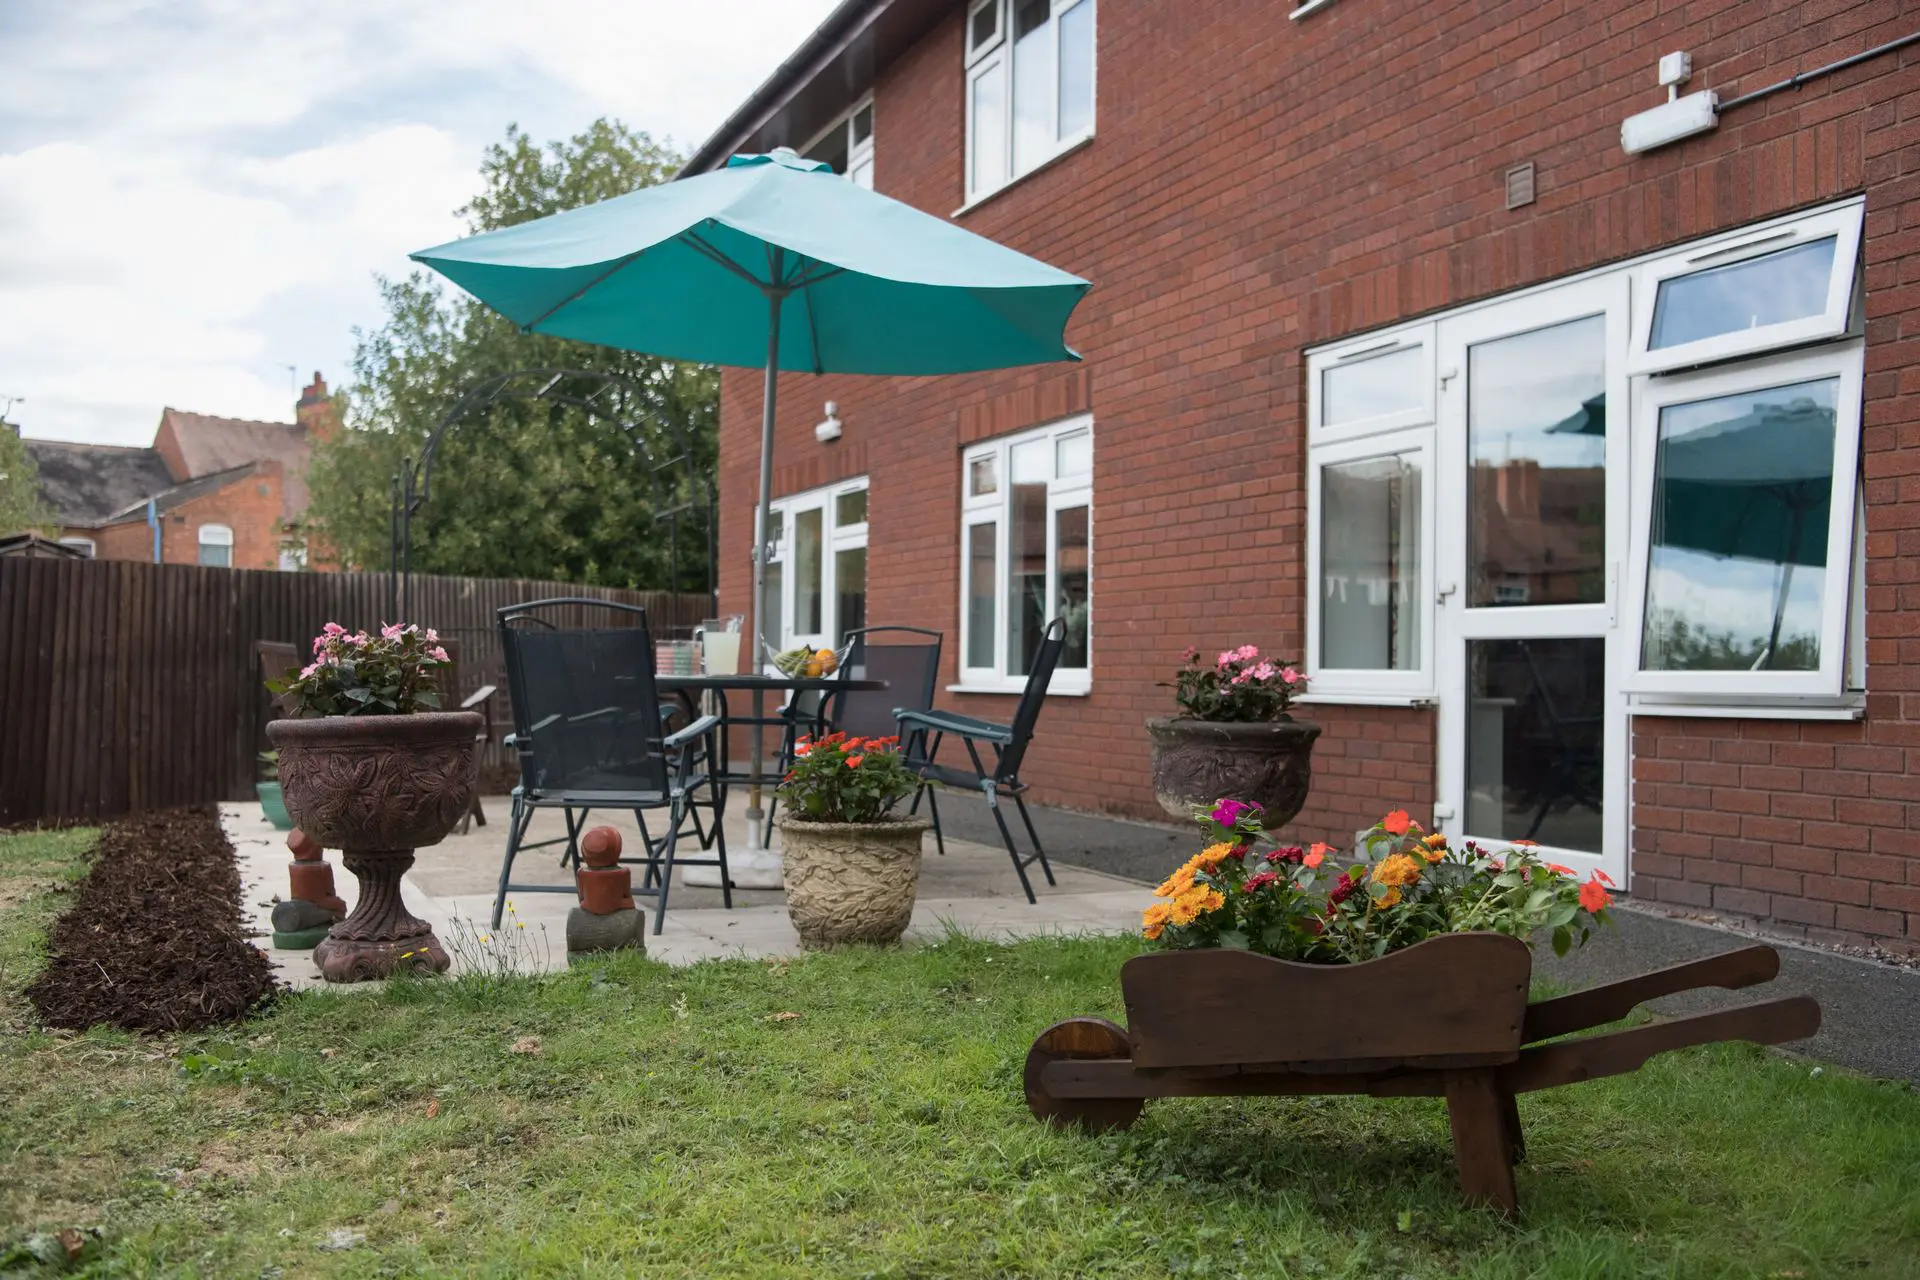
1677	117
829	430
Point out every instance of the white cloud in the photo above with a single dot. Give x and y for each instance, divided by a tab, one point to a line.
195	195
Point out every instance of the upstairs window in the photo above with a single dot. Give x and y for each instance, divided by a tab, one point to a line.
1029	86
847	145
81	544
216	546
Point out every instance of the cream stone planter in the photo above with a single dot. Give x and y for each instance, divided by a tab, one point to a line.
850	881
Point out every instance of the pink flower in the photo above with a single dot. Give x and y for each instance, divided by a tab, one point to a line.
333	629
1289	675
306	672
1246	653
1227	812
1189	654
1226	659
430	636
1265	671
392	631
438	654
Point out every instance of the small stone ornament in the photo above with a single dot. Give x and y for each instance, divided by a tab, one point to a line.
606	919
311	907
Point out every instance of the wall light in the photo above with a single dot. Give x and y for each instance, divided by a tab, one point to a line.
829	430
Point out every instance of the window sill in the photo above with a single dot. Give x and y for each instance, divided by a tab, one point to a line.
1065	151
1016	690
1850	708
1365	700
1311	6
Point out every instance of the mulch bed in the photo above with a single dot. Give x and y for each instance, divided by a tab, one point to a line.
155	939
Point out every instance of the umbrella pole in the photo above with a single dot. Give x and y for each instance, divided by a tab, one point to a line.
758	837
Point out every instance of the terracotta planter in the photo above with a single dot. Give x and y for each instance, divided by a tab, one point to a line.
1196	762
850	881
377	788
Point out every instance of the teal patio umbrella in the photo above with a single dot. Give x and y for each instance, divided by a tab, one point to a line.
773	262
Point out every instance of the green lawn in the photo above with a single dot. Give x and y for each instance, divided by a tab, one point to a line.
671	1124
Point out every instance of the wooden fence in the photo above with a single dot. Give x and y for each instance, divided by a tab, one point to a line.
127	686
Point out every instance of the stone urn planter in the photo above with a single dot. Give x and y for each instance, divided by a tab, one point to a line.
1269	762
377	788
850	881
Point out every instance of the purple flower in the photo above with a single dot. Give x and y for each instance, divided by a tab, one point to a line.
1227	812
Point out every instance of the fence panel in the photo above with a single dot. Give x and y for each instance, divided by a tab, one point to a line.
127	686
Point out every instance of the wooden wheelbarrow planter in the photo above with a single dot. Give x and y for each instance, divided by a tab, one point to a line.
1446	1018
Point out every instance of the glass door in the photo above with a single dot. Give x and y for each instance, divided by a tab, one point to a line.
1533	497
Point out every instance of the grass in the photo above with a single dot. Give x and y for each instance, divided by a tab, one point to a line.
678	1122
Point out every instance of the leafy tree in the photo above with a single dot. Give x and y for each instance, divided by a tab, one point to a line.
530	489
21	506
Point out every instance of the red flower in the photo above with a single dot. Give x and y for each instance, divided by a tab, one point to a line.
1342	889
1259	880
1396	823
1239	852
1604	878
853	762
1593	897
1557	868
1291	854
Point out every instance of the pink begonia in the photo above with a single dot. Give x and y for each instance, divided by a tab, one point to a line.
392	631
430	636
1290	675
333	629
1246	653
438	654
1265	671
1226	659
306	672
1190	654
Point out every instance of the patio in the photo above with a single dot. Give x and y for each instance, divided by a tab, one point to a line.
971	889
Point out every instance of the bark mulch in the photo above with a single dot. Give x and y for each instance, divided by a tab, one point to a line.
155	939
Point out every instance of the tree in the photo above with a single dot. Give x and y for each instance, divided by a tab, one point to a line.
529	489
21	507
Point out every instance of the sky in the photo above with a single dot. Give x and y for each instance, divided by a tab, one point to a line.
197	194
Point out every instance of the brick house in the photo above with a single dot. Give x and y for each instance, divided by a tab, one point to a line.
1584	482
211	491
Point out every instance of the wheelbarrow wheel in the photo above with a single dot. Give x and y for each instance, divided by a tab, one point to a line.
1079	1038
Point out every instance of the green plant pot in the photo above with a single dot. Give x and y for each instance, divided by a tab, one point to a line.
274	807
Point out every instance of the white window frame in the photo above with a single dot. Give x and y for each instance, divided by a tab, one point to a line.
1843	223
834	538
82	544
997	51
858	153
996	508
213	535
1844	361
1349	684
1358	352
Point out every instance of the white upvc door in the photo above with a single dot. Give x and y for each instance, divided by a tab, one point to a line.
1532	514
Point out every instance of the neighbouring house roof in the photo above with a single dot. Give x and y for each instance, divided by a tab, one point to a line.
181	494
209	445
86	484
827	74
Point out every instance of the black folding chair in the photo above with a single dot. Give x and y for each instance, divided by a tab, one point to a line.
588	729
1001	778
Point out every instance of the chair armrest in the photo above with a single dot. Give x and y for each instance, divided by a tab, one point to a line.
477	697
958	725
699	728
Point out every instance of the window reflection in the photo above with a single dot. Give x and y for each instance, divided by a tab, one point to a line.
1536	442
1370	565
1071	550
1742	491
981	593
1535	734
806	572
1770	289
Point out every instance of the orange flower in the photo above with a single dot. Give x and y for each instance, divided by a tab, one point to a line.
1593	897
1604	878
1391	897
1317	855
1396	823
853	762
1557	868
1201	898
1213	855
1524	843
1400	869
1153	921
1179	882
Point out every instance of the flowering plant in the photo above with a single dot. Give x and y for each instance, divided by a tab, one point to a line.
357	674
1410	885
1240	685
842	779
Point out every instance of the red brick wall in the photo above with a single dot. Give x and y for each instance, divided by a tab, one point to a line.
1259	185
250	506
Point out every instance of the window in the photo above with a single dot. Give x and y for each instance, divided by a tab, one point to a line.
1377	384
1026	548
216	546
817	572
1746	492
847	145
1029	86
1758	291
81	544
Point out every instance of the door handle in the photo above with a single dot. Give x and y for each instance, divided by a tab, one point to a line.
1440	596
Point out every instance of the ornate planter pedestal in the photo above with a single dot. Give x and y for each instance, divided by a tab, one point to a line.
1196	762
377	788
850	881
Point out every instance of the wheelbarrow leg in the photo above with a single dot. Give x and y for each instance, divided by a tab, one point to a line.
1482	1146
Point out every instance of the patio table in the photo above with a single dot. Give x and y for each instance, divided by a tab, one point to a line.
758	867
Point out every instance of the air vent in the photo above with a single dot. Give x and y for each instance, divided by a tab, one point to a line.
1520	185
